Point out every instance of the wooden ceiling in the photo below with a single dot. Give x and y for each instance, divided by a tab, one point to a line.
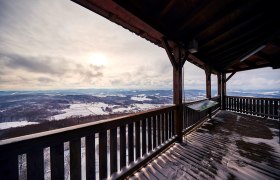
226	30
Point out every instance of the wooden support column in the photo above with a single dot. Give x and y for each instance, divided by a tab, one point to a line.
224	91
176	57
177	99
219	79
208	86
208	82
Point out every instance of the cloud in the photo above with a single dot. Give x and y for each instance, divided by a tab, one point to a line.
49	48
45	80
32	64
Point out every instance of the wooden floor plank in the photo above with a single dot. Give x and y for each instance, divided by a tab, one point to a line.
212	152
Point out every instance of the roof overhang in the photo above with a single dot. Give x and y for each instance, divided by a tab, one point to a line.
226	31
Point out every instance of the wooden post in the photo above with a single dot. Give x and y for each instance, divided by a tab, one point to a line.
176	58
177	99
224	91
208	86
219	88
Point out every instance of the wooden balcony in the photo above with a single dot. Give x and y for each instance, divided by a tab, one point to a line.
229	146
122	147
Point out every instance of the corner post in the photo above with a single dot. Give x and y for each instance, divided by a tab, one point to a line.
177	94
219	79
224	91
208	86
176	56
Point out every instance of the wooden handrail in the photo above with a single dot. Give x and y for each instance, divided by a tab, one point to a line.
264	107
260	98
157	132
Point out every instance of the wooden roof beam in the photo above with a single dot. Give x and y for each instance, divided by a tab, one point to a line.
273	61
246	69
230	33
230	76
233	10
169	52
167	7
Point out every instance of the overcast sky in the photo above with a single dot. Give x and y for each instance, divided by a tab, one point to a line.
57	44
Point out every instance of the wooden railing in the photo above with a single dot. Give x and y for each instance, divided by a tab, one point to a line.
192	117
124	145
264	107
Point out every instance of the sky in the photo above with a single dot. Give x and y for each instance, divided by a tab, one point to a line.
58	44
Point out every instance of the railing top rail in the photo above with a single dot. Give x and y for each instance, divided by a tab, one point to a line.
197	101
47	138
277	99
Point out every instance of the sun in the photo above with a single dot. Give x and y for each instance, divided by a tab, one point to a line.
98	59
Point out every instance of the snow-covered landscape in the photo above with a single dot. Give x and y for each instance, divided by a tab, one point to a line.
20	108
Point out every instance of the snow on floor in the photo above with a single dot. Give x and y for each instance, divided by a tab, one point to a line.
6	125
274	143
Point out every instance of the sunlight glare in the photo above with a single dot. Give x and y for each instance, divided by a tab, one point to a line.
98	59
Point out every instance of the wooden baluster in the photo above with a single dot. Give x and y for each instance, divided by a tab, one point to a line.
149	134
102	155
144	141
137	139
243	105
238	104
35	165
266	107
275	109
122	146
9	167
262	108
57	161
90	156
154	132
235	104
170	125
247	106
232	104
75	159
130	143
254	106
162	127
270	108
113	150
159	129
166	119
257	107
187	117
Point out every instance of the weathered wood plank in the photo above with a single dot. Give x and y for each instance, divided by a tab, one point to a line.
149	134
154	132
158	130
103	154
166	119
57	161
113	150
90	156
275	111
75	159
266	108
144	137
122	146
35	165
162	127
137	139
130	143
9	168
